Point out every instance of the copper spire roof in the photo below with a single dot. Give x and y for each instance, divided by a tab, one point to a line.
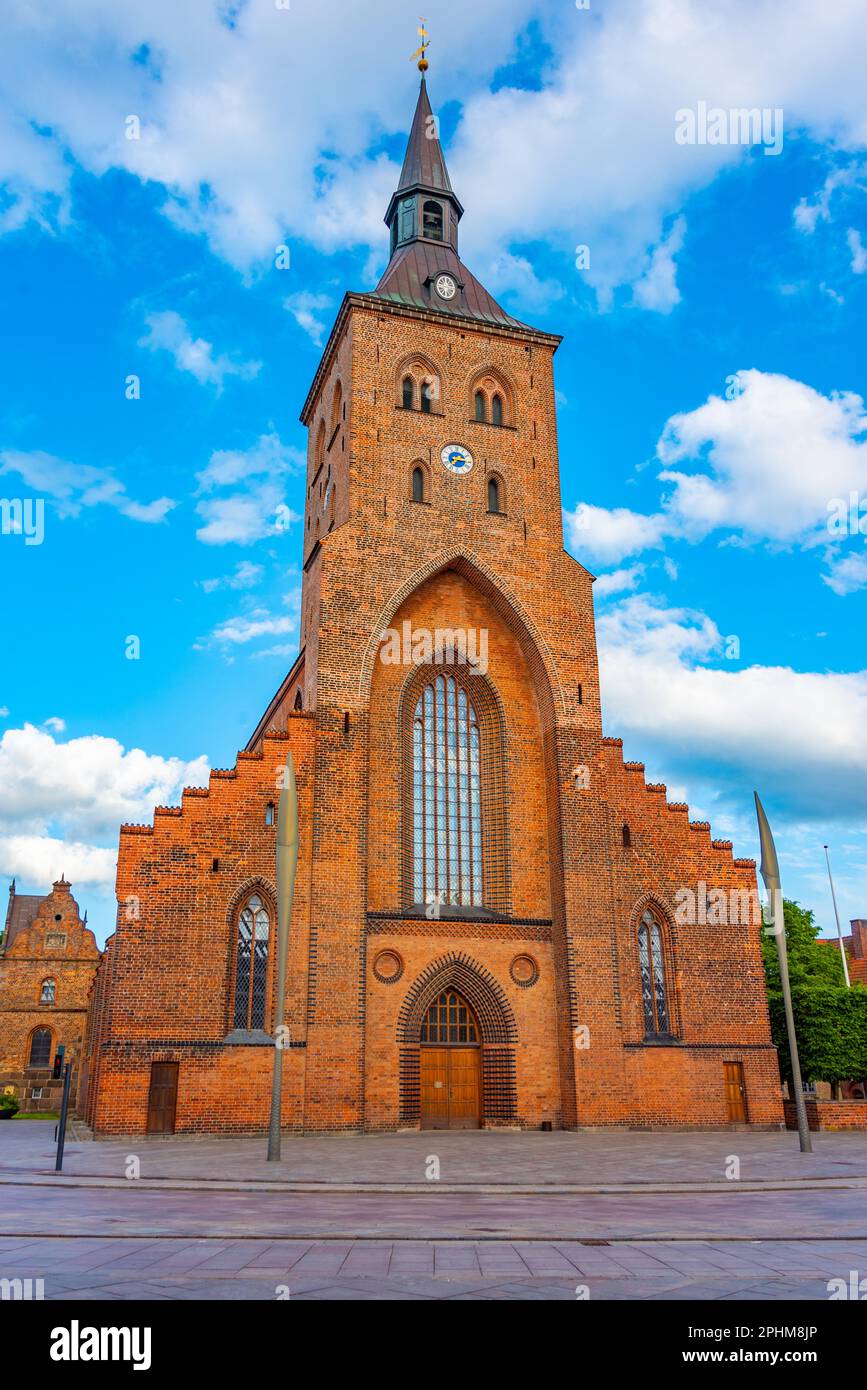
418	256
423	163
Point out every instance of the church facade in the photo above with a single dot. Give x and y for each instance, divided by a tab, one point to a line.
485	928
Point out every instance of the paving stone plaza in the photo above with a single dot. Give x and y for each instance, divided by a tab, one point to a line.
598	1215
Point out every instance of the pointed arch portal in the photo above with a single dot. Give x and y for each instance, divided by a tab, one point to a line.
456	1033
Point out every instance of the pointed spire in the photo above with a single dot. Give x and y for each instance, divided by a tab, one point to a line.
424	164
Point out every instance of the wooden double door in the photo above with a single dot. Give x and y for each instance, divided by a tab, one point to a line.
451	1091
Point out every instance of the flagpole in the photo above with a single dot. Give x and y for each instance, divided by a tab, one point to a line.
770	871
287	860
837	916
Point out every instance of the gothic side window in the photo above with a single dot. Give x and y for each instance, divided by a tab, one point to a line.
446	788
495	500
653	988
40	1048
251	966
408	393
427	396
418	484
480	404
48	993
497	410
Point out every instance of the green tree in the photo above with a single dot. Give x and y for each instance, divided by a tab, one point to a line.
810	962
830	1020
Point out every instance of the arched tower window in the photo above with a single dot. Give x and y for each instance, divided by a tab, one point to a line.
497	410
408	393
427	396
480	404
432	220
418	483
40	1048
447	816
251	968
495	495
627	836
299	700
653	987
48	993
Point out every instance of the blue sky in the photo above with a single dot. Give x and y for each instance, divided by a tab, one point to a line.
717	337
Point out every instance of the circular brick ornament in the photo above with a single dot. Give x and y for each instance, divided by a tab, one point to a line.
388	967
524	971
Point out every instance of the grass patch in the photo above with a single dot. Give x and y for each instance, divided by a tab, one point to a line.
37	1115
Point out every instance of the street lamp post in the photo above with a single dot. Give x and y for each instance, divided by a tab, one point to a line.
287	860
770	871
837	916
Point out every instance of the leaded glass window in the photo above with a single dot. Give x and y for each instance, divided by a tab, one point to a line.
449	1020
251	971
447	812
48	994
652	975
497	410
40	1048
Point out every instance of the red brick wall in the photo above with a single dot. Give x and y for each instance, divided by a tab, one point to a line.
829	1114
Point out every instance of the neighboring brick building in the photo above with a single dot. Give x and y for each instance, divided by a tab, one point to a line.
484	926
48	958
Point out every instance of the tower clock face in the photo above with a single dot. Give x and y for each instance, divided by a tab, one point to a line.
445	287
457	459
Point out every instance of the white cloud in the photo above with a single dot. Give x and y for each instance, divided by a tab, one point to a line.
76	485
611	534
848	574
257	137
766	464
799	734
618	581
168	332
258	623
244	576
41	859
858	251
84	788
304	308
55	725
656	287
255	507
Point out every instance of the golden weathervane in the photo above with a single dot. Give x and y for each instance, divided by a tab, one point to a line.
420	52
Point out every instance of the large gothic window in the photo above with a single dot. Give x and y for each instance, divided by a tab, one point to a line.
251	968
653	991
447	817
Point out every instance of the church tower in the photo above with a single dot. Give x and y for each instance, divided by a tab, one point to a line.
487	926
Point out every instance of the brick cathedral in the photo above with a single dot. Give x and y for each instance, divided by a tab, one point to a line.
484	929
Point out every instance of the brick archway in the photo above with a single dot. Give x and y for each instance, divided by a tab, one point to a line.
496	1021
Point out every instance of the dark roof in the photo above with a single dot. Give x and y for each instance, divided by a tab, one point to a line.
21	913
407	281
423	162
